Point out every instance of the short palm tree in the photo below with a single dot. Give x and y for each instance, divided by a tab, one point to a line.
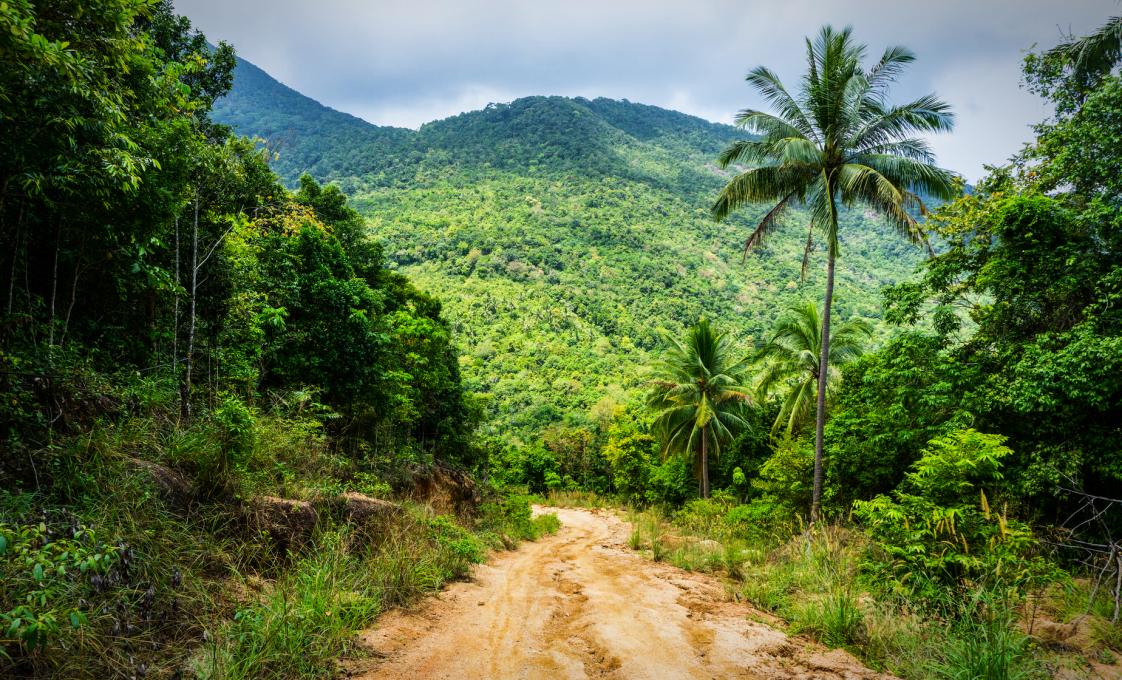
790	365
699	397
837	143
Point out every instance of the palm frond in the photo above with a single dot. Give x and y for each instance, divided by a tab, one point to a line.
914	148
890	66
865	184
911	175
768	84
768	183
789	360
766	224
927	114
1093	56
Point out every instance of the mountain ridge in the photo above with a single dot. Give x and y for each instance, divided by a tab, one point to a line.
563	236
311	137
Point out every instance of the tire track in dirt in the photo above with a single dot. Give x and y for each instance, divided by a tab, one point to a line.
581	605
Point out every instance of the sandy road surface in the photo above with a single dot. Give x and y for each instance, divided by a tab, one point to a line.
580	604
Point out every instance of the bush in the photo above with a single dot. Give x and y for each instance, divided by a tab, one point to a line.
785	478
234	423
938	529
510	518
47	572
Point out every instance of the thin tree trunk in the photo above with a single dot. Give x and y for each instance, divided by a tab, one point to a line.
705	462
185	387
15	256
823	372
73	298
175	306
54	282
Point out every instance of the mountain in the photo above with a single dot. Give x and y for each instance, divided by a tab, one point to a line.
306	135
563	234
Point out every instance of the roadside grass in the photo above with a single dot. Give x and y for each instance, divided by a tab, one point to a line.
813	580
575	499
103	574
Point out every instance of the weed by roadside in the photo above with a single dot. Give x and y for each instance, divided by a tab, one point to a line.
816	581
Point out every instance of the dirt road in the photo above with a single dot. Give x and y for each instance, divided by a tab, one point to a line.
580	604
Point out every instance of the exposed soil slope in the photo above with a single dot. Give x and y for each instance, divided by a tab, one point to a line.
580	604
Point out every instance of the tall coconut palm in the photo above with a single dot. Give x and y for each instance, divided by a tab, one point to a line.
837	143
699	397
790	366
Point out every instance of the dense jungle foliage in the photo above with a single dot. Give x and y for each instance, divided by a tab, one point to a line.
563	235
255	391
209	384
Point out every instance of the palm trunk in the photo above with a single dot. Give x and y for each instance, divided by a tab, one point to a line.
823	372
705	462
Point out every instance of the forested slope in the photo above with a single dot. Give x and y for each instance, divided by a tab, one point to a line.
562	234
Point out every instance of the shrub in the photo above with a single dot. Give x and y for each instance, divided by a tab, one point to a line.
235	427
784	479
47	572
939	527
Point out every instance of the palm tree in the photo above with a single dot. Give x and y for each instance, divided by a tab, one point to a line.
790	362
837	143
1093	56
699	396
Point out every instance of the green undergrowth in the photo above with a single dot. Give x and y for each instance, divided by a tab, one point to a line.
307	618
573	499
826	583
130	551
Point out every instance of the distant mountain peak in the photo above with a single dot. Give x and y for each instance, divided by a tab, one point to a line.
567	134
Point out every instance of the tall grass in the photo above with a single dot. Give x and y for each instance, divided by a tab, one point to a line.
187	585
314	609
304	621
814	580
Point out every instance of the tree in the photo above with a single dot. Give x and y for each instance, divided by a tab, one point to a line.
790	362
1092	57
698	396
837	143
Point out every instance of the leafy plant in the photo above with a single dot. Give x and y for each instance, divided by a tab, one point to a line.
938	526
41	571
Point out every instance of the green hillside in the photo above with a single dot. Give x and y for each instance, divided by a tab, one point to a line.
561	234
305	135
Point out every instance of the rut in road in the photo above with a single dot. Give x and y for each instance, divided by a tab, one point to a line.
580	604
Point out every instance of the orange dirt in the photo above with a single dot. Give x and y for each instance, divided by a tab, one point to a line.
580	604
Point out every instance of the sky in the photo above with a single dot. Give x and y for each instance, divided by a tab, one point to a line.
407	62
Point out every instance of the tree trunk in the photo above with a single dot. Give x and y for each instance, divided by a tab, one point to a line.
175	306
73	297
15	255
705	462
823	373
185	386
54	282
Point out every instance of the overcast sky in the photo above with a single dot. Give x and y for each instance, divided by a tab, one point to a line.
406	62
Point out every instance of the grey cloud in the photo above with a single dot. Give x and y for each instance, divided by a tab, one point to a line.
404	62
